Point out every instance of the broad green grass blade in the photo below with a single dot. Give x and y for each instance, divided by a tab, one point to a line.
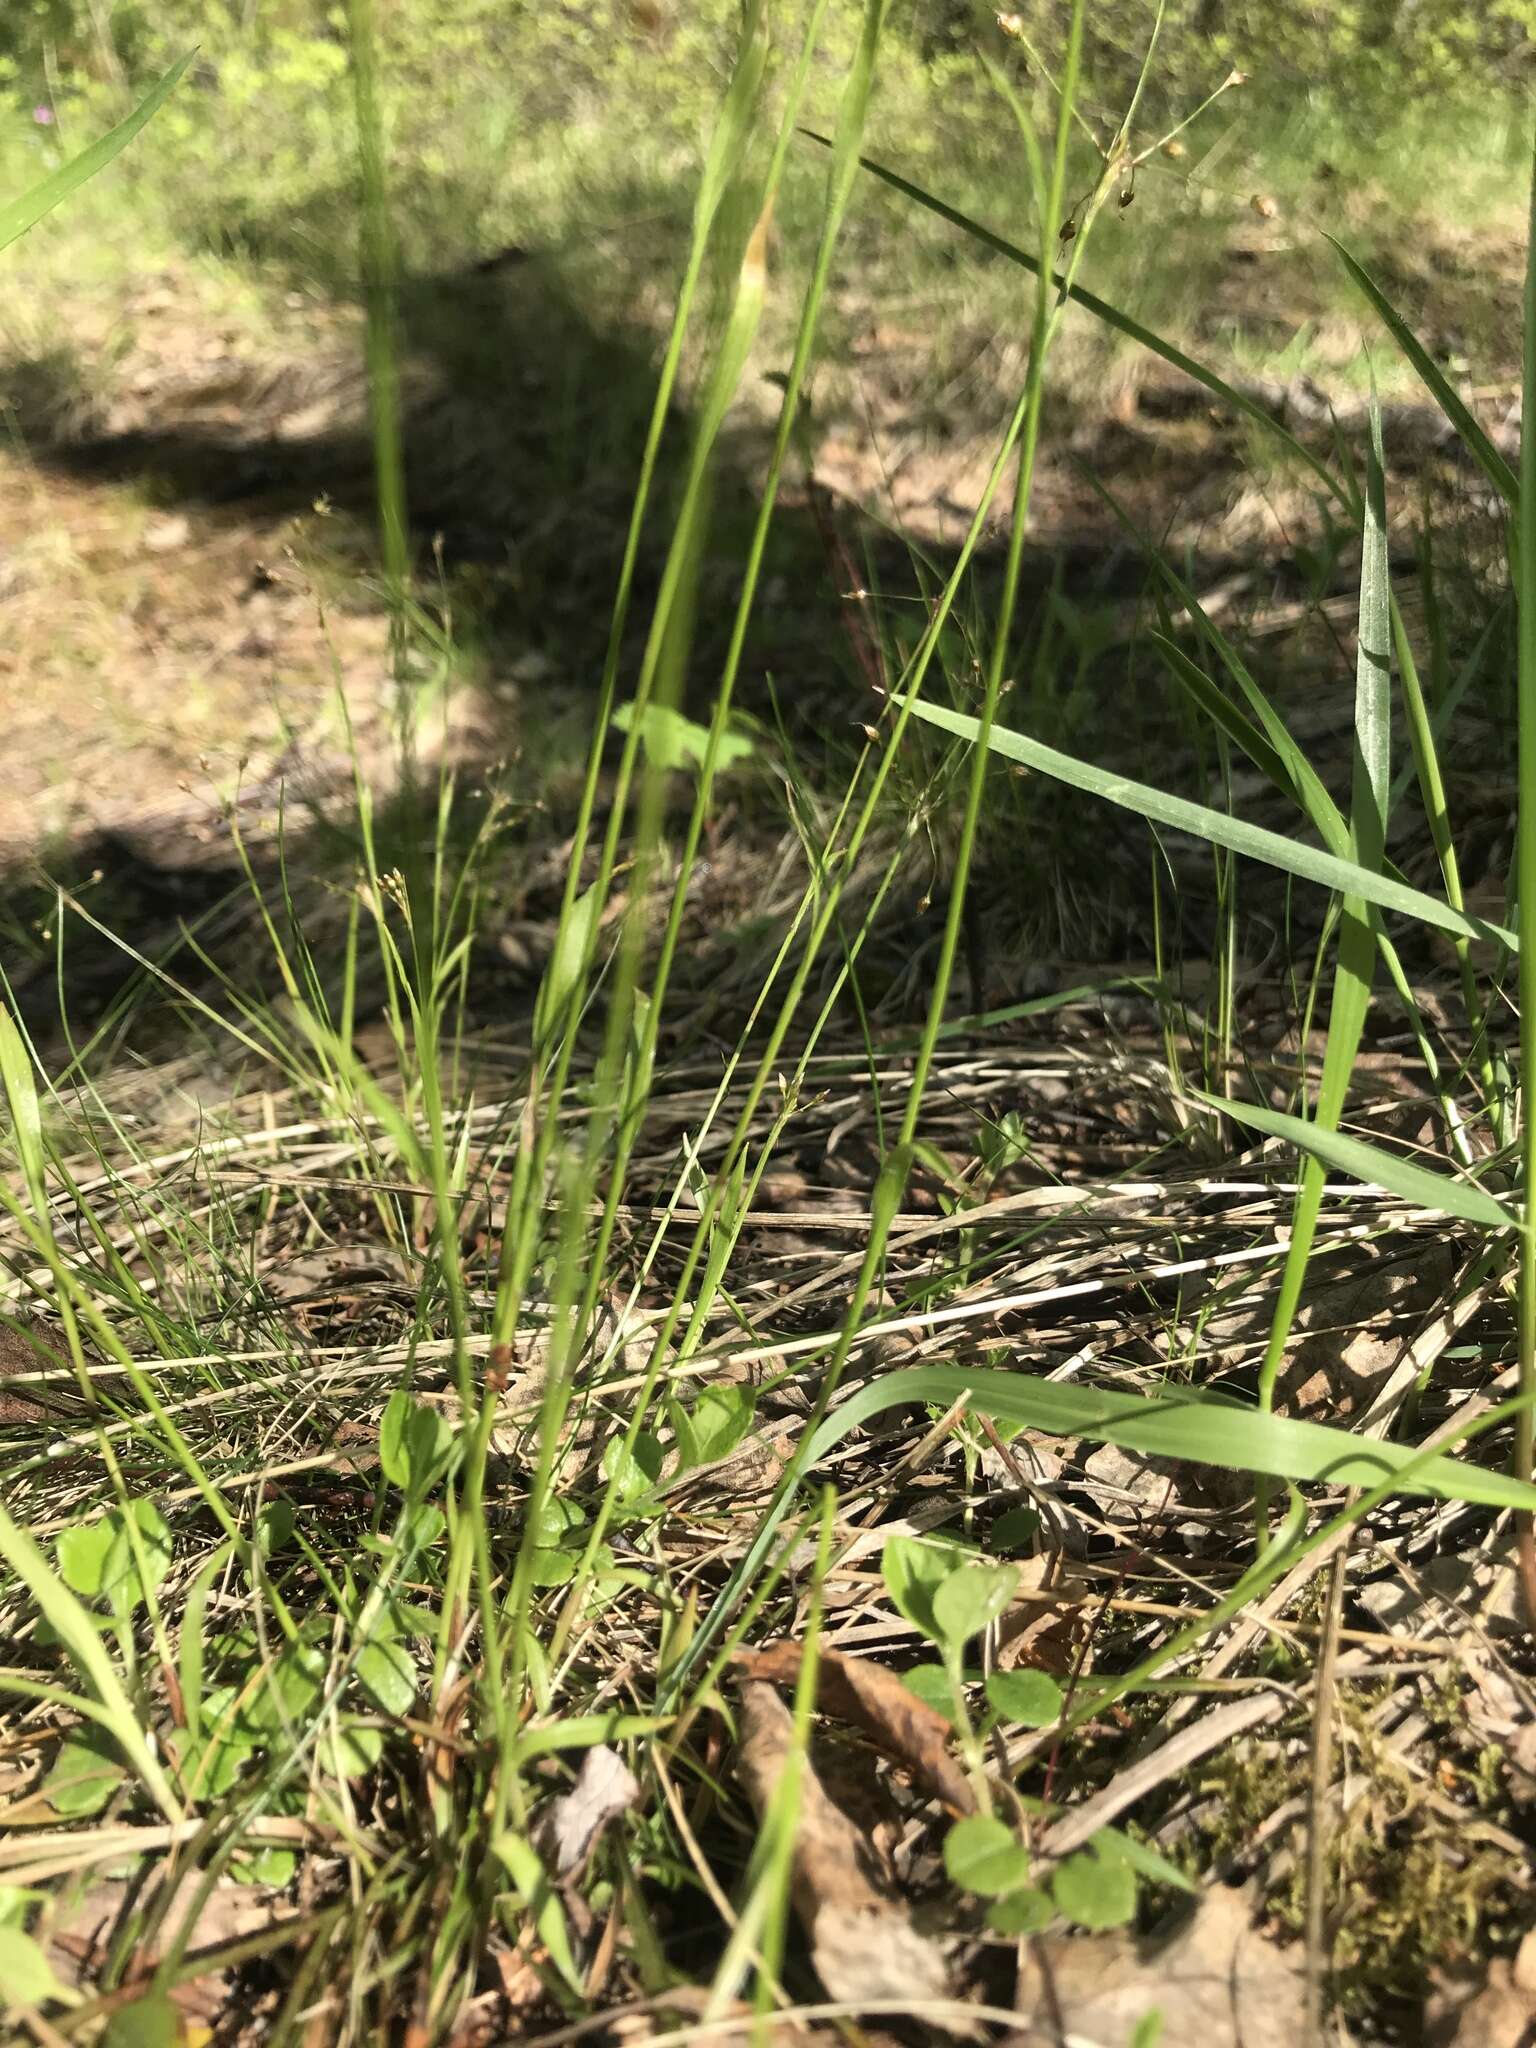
20	1092
1355	964
17	215
1465	1199
1157	805
1271	750
1102	310
1444	393
1197	1426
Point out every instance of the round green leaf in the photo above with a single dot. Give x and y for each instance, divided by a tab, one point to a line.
553	1567
423	1524
1023	1912
985	1857
359	1748
1015	1530
120	1577
86	1772
634	1471
557	1519
274	1527
715	1425
264	1866
150	2022
931	1684
972	1597
285	1695
388	1676
82	1554
392	1456
26	1975
1030	1698
913	1574
1095	1890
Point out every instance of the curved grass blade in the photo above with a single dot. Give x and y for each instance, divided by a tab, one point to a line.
1102	310
1444	393
1465	1199
17	215
1276	851
1202	1427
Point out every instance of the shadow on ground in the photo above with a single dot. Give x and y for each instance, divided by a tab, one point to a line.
523	424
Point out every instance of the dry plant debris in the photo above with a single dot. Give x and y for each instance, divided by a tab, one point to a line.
864	1942
1498	2011
1215	1982
868	1696
190	1914
605	1787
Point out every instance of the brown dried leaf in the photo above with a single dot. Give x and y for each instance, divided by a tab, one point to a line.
314	1275
1497	2012
1043	1625
863	1942
868	1696
81	1937
605	1787
1216	1982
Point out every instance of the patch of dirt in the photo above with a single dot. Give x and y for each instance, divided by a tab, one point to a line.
158	663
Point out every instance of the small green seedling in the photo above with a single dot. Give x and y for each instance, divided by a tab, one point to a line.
673	741
950	1595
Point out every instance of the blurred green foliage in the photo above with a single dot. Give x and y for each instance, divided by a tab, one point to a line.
1373	45
563	124
563	50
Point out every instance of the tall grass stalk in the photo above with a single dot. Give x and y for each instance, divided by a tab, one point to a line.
1525	869
1022	435
622	1082
379	267
853	114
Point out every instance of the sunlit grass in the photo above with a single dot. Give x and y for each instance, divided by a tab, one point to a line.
563	1239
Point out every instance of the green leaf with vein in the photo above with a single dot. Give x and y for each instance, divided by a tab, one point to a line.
1308	862
17	215
1466	1199
1202	1427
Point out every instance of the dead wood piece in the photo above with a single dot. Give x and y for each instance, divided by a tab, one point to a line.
865	1694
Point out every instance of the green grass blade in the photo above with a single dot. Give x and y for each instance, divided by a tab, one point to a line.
1192	1425
1356	961
1271	750
1373	666
1102	310
1179	813
1401	1177
19	1087
1525	873
1455	408
17	215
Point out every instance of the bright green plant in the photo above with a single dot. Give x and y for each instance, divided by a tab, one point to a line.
950	1597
